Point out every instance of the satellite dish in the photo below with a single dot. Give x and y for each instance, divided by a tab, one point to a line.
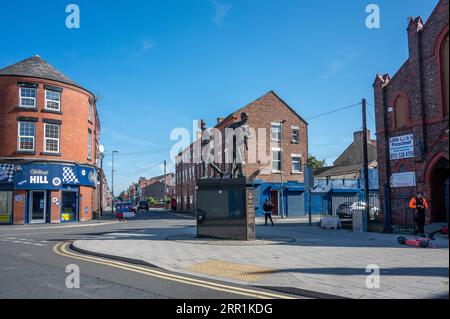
101	149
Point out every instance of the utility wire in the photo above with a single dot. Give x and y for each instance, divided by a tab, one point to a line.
142	152
333	111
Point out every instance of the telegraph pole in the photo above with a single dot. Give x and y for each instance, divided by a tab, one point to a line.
366	161
112	181
165	181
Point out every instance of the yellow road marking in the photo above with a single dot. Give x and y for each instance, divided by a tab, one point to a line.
61	249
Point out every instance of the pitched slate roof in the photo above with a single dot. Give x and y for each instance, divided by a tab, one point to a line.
38	68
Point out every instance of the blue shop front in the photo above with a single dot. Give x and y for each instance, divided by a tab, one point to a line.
290	194
42	192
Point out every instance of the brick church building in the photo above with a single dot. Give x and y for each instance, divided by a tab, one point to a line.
412	109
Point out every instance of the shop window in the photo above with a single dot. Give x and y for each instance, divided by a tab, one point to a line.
401	111
6	207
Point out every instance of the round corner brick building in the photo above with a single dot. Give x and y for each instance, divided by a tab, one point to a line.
49	133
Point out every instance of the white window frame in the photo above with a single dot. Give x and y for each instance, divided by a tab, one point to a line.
51	138
54	101
89	145
30	98
292	163
26	136
276	149
272	132
295	128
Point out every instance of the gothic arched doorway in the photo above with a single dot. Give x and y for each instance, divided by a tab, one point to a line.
438	180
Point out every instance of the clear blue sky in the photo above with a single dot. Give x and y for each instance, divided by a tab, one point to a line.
161	64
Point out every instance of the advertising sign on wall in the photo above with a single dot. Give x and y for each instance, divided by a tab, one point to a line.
401	147
407	179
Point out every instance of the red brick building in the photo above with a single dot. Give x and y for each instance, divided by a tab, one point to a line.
412	109
49	137
286	148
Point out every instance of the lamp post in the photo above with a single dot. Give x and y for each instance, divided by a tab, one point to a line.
281	166
112	181
101	155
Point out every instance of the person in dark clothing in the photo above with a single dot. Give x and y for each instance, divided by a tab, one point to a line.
420	205
268	207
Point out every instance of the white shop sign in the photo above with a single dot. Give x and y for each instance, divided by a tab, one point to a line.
401	147
407	179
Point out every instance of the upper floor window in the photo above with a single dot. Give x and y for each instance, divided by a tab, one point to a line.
295	135
401	111
276	160
27	97
91	111
26	136
51	138
296	163
89	145
52	100
276	132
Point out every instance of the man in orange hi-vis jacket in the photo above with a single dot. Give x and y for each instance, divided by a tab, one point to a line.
419	204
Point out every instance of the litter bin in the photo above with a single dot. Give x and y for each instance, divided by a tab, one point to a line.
360	221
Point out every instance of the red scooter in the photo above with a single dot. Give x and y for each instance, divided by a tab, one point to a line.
417	242
422	242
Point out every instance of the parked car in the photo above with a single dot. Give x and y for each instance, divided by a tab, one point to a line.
143	205
345	210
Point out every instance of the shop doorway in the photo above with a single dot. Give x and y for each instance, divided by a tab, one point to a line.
274	201
438	179
69	208
38	207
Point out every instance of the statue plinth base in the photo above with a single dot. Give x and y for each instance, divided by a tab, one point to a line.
226	209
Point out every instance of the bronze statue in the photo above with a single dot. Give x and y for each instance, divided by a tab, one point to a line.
240	128
207	138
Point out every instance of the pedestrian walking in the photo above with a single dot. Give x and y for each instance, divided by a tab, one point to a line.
420	205
268	207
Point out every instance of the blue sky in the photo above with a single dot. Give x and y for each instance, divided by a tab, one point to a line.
160	64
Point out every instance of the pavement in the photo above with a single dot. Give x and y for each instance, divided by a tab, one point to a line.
290	257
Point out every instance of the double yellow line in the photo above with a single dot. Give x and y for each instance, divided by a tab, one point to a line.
62	250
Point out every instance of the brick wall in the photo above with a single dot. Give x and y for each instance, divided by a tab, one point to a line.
19	207
74	117
420	81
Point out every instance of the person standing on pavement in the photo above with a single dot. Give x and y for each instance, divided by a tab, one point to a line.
268	207
420	205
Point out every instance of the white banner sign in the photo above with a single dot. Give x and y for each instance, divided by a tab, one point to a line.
401	147
403	180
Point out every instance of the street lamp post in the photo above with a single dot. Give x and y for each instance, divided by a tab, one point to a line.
112	181
282	167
